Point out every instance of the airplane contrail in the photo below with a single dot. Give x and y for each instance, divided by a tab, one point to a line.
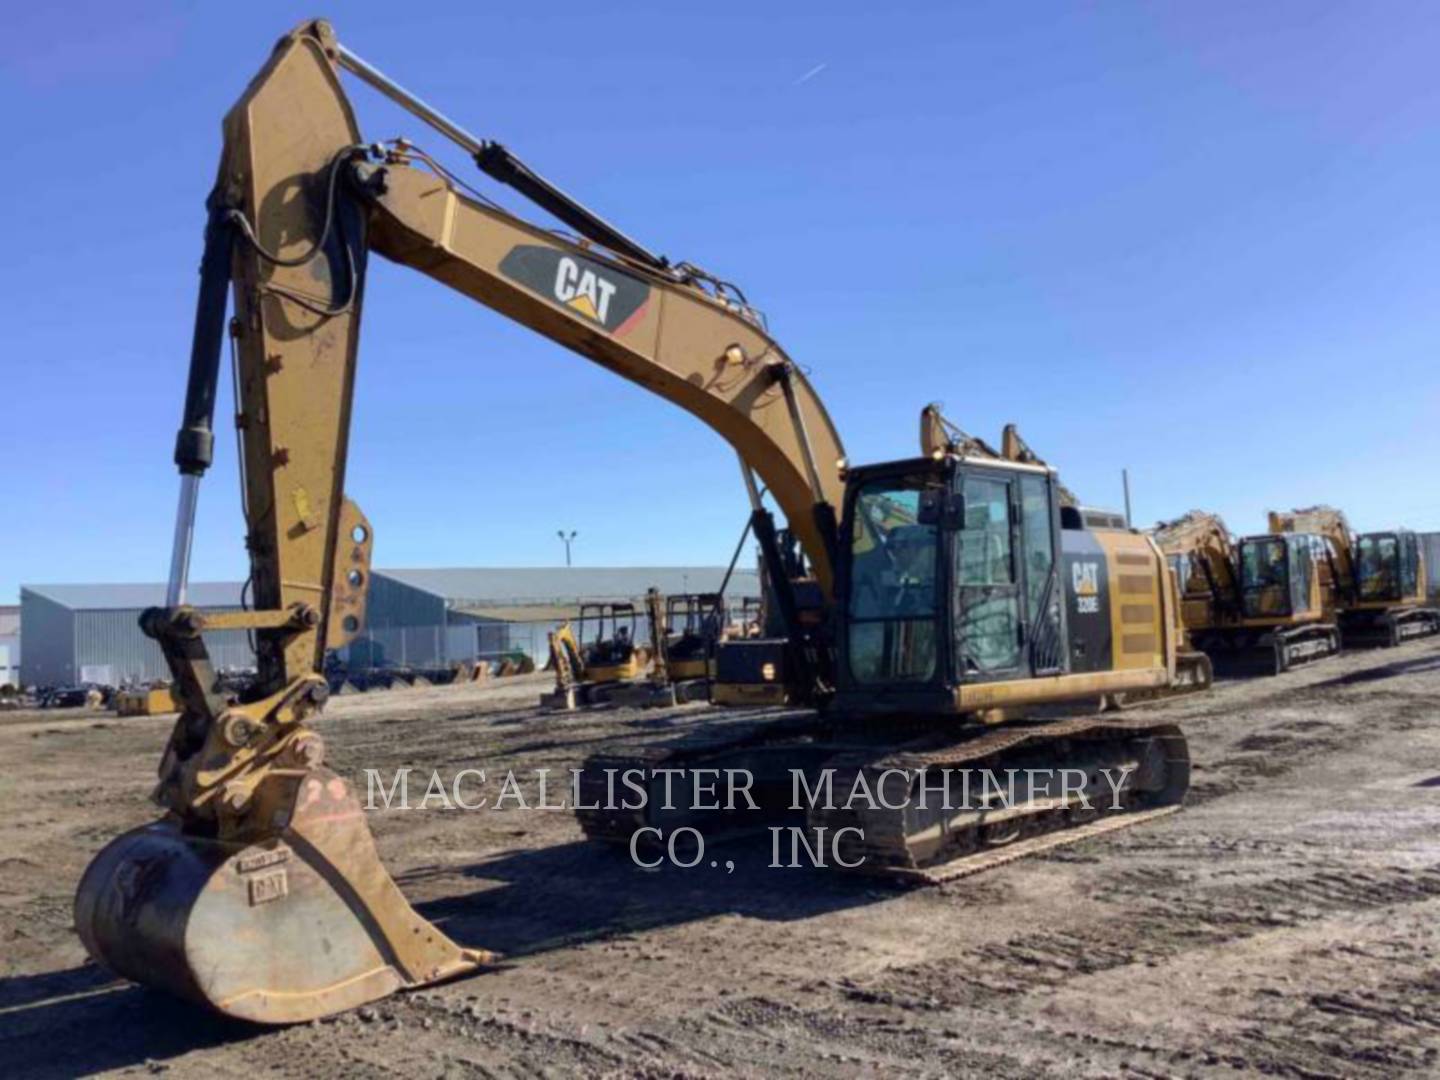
810	74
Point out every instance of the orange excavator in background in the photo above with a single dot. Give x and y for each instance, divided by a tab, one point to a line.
1384	594
936	604
1271	597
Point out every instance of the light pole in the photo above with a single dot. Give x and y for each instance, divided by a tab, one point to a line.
566	539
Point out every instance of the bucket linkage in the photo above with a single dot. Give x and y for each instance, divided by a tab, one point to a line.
260	893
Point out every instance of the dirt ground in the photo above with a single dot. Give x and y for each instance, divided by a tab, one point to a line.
1284	923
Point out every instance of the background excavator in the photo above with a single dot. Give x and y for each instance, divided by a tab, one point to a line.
689	628
593	668
692	629
1269	598
1384	587
602	662
954	594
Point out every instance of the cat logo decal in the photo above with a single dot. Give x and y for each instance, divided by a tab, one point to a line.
597	292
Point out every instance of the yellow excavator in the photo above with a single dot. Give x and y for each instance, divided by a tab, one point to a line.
1384	594
692	629
606	664
970	598
954	595
609	644
1271	598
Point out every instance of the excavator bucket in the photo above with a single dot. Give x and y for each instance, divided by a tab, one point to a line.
281	931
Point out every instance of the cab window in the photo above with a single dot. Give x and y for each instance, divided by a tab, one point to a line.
1376	567
987	620
1264	577
894	564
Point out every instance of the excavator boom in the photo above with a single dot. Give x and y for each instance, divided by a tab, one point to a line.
261	843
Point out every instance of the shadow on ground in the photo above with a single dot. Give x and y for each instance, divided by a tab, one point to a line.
582	891
83	1020
1414	666
1242	668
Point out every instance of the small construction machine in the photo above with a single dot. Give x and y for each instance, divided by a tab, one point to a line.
604	663
1267	600
690	627
1384	596
609	645
694	623
928	606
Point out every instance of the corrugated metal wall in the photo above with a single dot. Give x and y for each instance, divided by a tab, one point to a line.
61	643
48	658
10	659
113	639
403	626
392	603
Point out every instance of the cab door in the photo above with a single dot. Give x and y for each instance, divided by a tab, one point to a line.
987	589
1044	632
1300	559
1409	567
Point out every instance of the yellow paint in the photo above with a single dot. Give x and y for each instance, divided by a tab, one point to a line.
301	498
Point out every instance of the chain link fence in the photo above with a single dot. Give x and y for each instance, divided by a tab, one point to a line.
440	646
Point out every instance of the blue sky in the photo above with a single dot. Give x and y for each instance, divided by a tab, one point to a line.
1196	240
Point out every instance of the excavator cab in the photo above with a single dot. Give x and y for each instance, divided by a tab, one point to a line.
693	623
893	636
607	641
1203	600
1390	595
1282	576
965	583
1389	567
951	578
1381	585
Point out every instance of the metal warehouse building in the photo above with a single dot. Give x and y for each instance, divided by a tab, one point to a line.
9	645
91	633
418	618
431	617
